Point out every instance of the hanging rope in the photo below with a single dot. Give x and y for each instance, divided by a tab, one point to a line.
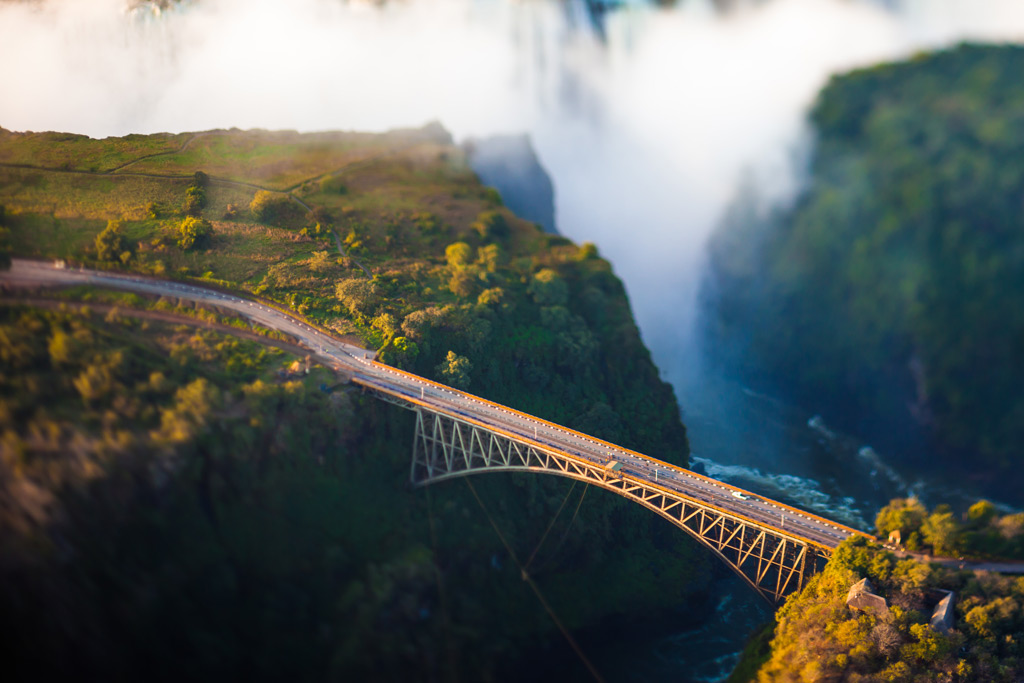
536	590
445	618
565	534
550	526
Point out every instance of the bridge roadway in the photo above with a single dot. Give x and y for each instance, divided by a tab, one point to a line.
359	364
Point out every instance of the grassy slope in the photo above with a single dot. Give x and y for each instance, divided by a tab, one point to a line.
567	350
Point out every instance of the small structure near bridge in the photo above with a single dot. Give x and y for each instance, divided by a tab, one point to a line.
862	597
942	615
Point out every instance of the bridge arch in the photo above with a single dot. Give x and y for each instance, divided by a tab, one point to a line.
772	563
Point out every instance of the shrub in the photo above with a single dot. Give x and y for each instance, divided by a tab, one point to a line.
271	206
195	194
359	296
110	243
462	284
320	262
5	248
549	289
491	297
492	196
491	257
588	250
333	185
903	514
194	233
491	225
458	254
454	370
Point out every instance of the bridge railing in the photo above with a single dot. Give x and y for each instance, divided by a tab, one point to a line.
661	463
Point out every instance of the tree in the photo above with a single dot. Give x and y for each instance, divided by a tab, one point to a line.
454	370
490	225
491	257
110	243
62	347
320	262
387	324
358	295
902	514
195	194
941	531
981	512
588	250
5	246
462	284
458	254
194	233
548	288
1011	526
402	352
418	324
491	297
270	206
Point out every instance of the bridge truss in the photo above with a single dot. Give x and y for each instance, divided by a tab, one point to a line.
773	563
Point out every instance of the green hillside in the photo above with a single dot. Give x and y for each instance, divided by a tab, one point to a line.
888	297
180	503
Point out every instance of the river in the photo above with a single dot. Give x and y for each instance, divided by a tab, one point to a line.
648	118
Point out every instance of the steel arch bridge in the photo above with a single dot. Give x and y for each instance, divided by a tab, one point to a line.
771	561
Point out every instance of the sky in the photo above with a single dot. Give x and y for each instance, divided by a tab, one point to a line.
647	131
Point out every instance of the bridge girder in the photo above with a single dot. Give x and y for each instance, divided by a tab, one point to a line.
772	563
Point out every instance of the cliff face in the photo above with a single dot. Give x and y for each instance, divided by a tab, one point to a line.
889	293
191	512
509	164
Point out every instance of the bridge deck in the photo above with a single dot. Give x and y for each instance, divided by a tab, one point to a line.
416	391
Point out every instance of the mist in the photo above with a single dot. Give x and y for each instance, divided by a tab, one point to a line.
647	123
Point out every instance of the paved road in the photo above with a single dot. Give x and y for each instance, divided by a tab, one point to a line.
359	364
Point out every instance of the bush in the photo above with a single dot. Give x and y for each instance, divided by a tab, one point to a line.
195	194
358	295
5	248
491	225
458	254
110	243
462	284
454	370
271	206
549	289
588	251
901	514
333	185
194	233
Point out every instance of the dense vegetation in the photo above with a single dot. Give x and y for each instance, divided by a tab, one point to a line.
982	533
818	638
391	239
889	294
190	513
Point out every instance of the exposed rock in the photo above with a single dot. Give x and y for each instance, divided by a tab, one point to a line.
509	164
